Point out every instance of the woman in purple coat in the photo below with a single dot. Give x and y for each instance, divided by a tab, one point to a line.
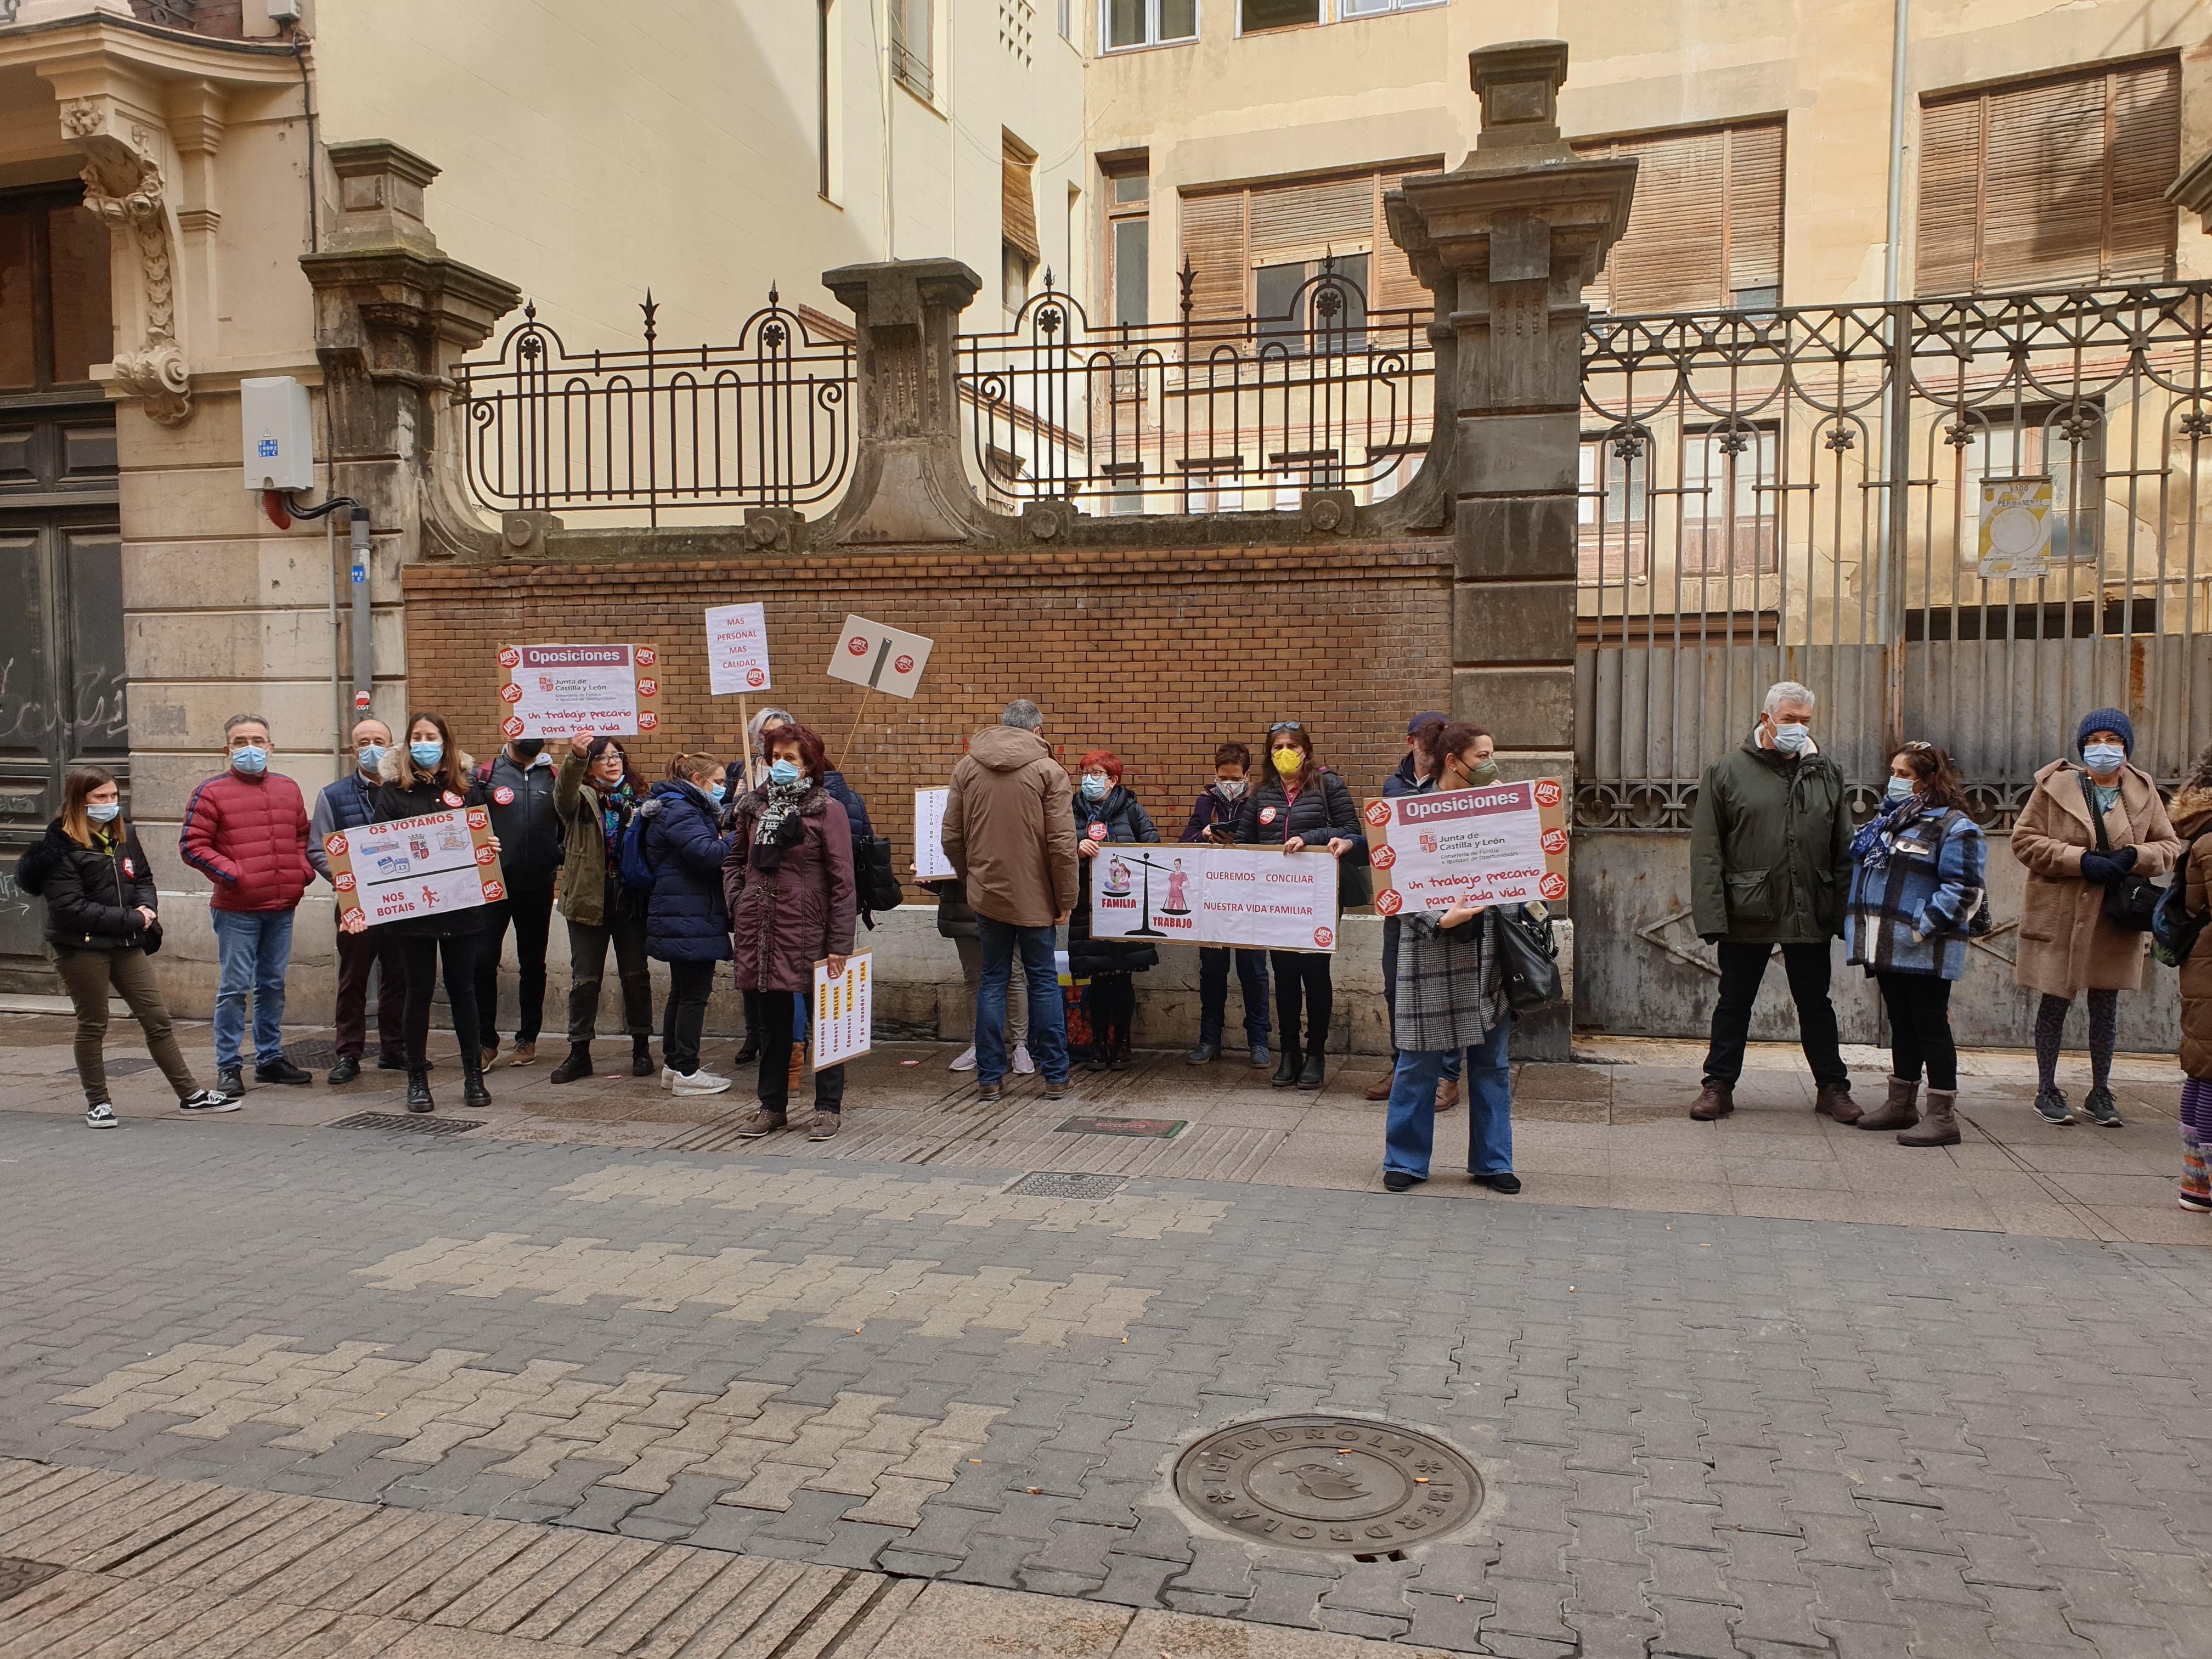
788	879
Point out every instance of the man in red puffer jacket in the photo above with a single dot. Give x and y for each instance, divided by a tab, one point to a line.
246	829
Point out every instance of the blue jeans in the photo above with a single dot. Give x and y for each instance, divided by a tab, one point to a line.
1048	1012
1213	992
254	948
1412	1128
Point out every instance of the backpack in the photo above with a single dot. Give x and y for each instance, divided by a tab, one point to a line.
2174	930
634	867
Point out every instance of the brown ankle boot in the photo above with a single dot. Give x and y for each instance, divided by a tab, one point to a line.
1941	1126
1716	1100
1898	1111
1834	1100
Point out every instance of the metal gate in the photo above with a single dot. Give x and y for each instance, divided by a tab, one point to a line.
1800	494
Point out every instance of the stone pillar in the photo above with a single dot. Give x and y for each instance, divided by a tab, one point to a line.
1508	241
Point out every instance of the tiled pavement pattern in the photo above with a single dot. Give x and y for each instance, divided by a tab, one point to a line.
1701	1435
189	1568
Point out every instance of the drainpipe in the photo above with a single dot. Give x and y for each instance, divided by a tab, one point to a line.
364	643
1893	263
1897	520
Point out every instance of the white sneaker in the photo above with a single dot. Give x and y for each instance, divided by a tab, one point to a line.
668	1076
701	1082
1023	1063
100	1116
967	1060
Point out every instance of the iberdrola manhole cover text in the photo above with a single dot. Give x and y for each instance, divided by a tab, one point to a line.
1340	1484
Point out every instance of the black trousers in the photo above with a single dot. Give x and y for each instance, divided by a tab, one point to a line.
1742	966
1920	1006
375	948
587	966
1303	976
690	985
1112	1008
420	957
530	908
776	1009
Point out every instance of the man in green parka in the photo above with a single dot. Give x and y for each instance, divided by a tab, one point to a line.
1770	864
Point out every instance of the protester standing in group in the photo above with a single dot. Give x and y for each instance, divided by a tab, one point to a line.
431	774
2192	823
1917	883
687	918
347	804
1451	998
1106	814
1009	834
246	829
595	792
1213	818
787	883
103	925
519	786
1299	802
1418	775
1770	865
2068	946
956	921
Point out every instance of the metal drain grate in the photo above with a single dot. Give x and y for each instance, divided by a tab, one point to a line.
313	1056
425	1123
1056	1183
18	1575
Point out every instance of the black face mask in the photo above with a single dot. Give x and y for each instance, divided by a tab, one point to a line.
529	749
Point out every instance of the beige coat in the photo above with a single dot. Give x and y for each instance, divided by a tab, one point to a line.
1009	829
2192	814
2066	945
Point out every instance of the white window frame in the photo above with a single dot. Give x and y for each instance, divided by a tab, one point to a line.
1151	29
1345	12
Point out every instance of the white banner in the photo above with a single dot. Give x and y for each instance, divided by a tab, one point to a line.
1502	843
1255	897
929	858
736	650
555	691
884	659
844	1012
414	867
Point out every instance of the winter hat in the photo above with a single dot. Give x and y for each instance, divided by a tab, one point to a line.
2105	720
1422	720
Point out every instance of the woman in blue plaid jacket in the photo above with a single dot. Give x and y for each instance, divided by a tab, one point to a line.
1916	890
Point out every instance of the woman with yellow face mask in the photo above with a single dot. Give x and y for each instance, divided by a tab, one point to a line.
1301	805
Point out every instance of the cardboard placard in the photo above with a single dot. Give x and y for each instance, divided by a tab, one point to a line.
844	1012
882	659
1503	843
929	859
1259	897
421	866
737	650
555	691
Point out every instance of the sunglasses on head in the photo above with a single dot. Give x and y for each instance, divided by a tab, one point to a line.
1916	744
1286	726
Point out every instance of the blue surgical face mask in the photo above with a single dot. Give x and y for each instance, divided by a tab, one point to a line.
2104	758
426	754
370	756
103	811
1094	788
1792	737
783	773
251	760
1901	789
717	790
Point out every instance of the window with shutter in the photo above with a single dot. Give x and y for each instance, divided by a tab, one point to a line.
1018	204
2057	181
1705	230
1229	234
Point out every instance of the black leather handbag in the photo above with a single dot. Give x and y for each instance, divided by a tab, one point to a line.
879	887
1529	956
2131	901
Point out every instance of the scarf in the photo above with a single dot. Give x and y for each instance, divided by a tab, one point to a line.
1874	842
780	826
616	805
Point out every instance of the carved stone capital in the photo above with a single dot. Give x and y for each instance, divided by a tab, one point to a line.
125	190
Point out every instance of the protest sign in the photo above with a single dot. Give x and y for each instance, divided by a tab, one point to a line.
555	691
737	650
844	1012
415	866
2015	540
1505	843
1255	897
929	859
882	659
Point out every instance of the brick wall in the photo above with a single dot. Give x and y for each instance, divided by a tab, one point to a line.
1157	655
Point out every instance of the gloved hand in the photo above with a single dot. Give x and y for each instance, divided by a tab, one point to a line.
2102	869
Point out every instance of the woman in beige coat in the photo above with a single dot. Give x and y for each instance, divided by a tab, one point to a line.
2066	944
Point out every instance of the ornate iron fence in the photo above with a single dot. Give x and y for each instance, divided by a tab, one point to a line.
1970	520
1202	415
765	422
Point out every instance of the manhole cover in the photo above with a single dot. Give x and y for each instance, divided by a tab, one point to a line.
1339	1483
425	1123
1053	1183
312	1056
17	1575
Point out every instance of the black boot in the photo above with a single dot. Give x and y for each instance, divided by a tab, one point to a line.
473	1092
641	1057
419	1091
1287	1068
1310	1075
578	1064
1119	1059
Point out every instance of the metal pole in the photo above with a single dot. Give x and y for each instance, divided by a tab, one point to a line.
1893	261
1897	520
364	644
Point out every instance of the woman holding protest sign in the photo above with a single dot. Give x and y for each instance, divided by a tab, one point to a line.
787	880
596	794
428	773
1106	815
1299	803
687	925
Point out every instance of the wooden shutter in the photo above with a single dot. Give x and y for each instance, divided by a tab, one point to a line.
1949	239
1305	220
1214	245
1017	205
1754	207
1673	256
2043	191
1395	285
2146	129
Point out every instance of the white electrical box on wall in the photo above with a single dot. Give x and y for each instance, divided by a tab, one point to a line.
279	432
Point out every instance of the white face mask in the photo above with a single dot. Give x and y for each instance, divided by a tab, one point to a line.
1230	788
1792	738
2104	758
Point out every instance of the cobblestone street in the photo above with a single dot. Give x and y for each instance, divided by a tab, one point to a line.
373	1387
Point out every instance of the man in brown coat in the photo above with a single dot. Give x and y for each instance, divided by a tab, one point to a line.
1009	834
